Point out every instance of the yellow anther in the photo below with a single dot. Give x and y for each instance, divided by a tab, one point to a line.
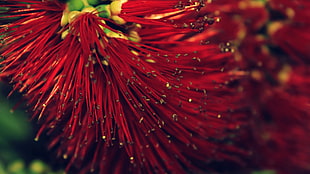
65	156
134	52
290	12
257	75
150	60
72	15
112	34
134	36
64	19
138	26
118	20
285	74
274	27
105	62
64	34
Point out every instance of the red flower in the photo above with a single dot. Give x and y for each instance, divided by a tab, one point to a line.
271	44
122	86
291	33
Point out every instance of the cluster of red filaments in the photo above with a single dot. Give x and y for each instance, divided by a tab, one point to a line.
127	82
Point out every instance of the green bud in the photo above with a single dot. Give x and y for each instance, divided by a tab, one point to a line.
93	2
75	5
104	11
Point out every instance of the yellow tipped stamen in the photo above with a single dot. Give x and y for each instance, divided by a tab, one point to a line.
290	13
134	52
112	34
134	36
284	74
150	60
274	27
257	75
65	156
101	26
138	26
105	62
64	34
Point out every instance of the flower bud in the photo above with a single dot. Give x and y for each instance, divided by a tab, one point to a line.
75	5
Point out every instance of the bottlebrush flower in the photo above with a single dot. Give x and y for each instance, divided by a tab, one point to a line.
122	86
271	44
293	21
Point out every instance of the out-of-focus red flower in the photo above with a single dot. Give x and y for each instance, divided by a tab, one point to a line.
122	86
271	44
290	33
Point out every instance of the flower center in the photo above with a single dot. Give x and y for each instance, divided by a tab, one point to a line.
108	10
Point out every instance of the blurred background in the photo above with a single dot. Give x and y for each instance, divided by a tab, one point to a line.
19	153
